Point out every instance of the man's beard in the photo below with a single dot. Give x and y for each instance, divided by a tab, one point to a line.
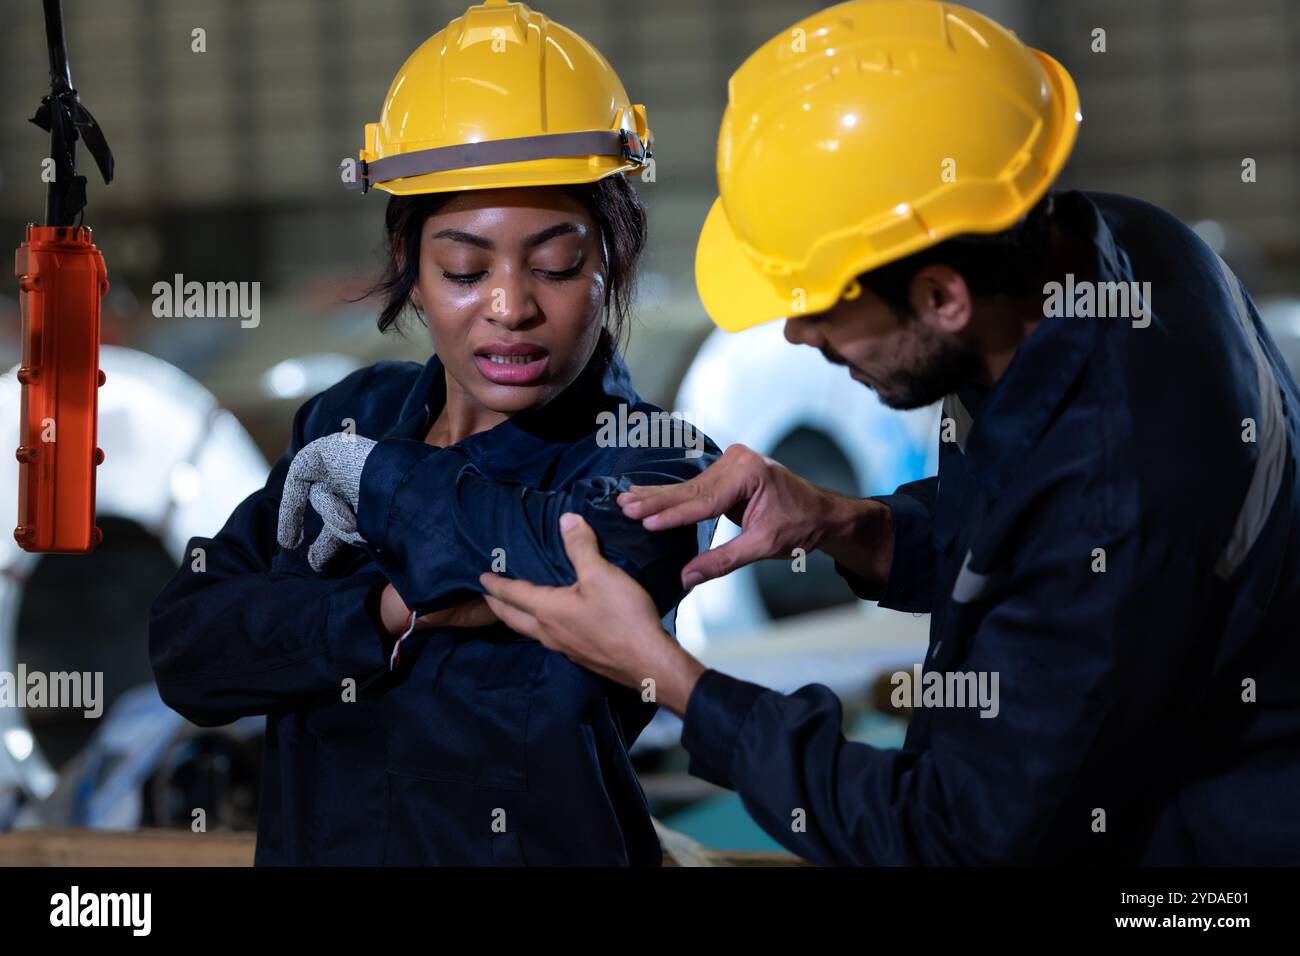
937	365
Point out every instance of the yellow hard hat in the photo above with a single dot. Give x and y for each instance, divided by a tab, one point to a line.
502	96
864	133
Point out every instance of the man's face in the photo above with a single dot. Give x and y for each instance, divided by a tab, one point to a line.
908	360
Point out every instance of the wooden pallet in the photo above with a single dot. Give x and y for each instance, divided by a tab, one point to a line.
79	847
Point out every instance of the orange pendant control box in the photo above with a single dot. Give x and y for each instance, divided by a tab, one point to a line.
61	277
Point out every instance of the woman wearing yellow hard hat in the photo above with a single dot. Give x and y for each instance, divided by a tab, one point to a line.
1108	555
407	724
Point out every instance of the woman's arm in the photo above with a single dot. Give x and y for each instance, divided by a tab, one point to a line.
229	637
434	523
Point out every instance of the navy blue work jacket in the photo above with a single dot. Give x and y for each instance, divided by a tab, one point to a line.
481	747
1115	533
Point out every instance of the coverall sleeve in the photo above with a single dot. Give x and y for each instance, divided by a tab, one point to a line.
229	637
1085	662
434	522
911	575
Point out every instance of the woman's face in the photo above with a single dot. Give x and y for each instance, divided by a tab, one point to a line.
512	285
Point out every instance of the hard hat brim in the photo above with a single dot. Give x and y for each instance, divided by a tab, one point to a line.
735	293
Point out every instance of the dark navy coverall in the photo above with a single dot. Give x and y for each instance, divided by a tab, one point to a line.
481	747
1149	712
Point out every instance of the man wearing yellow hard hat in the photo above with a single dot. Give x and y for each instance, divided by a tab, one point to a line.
1114	533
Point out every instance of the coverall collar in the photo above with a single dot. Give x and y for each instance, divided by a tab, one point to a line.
526	444
1010	417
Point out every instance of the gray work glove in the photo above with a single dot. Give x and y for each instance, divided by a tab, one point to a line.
326	472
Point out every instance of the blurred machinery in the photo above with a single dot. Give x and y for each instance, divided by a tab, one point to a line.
179	466
1281	316
146	766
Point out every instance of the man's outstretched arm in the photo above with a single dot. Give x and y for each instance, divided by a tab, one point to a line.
882	546
1081	667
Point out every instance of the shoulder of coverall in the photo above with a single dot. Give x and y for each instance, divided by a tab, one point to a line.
1200	345
1125	409
1192	376
397	399
564	439
370	401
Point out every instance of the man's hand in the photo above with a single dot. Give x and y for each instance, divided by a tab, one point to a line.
396	615
605	621
777	511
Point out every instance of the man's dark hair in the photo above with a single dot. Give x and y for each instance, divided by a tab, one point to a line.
613	204
1010	262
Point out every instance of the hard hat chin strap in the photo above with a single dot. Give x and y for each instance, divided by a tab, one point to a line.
625	144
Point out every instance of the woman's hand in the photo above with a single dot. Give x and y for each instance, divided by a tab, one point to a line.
326	473
396	615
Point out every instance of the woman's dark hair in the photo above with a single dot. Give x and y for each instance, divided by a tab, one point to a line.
1011	262
613	204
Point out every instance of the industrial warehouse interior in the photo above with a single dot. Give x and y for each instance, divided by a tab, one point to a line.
184	684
